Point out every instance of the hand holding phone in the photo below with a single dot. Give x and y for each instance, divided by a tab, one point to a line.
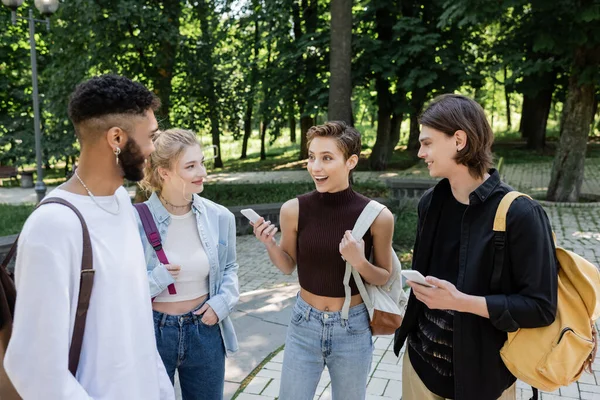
250	214
416	277
265	232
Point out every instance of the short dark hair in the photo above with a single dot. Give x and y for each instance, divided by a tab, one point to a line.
449	113
347	137
109	95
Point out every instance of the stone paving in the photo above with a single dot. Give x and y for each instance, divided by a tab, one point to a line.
385	380
534	178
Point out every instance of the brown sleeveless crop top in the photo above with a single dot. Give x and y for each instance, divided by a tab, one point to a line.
322	221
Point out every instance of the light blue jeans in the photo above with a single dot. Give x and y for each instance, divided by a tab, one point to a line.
316	339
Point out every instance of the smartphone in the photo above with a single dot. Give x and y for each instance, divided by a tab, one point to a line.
250	214
417	277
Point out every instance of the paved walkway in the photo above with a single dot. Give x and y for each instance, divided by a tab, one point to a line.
534	178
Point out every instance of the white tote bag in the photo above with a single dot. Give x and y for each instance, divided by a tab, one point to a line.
386	303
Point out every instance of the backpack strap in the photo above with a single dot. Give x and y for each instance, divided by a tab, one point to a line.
86	282
500	237
362	225
153	236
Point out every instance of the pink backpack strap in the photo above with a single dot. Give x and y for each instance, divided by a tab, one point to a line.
153	236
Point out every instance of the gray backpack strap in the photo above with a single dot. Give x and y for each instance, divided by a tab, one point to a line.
362	225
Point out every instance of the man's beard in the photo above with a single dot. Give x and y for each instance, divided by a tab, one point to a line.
131	161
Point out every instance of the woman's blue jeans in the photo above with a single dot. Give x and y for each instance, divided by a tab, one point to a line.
196	350
316	339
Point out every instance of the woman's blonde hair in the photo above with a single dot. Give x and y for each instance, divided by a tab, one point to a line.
169	147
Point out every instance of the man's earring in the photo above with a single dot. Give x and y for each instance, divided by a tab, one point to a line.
117	152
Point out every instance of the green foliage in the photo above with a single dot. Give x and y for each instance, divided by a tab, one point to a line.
405	230
217	63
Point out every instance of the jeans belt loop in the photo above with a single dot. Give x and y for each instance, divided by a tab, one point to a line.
163	320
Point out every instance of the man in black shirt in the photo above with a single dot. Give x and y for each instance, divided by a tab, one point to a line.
454	331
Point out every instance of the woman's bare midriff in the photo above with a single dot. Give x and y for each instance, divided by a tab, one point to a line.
178	307
323	303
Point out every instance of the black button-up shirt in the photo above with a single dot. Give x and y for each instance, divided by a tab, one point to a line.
528	294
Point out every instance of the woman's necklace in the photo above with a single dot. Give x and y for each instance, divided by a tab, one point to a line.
94	198
172	205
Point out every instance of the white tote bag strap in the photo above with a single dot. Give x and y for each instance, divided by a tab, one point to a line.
362	225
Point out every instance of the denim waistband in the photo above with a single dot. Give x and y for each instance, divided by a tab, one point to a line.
332	316
188	318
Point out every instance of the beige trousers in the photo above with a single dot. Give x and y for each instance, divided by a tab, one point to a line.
414	389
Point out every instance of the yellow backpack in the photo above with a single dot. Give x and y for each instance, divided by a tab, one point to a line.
553	356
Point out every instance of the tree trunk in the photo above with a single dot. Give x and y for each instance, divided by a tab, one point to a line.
536	123
568	167
413	136
535	117
524	115
305	11
247	127
306	122
536	109
384	24
340	85
416	104
263	135
594	112
215	132
211	89
394	134
253	78
166	57
507	98
378	159
292	123
213	115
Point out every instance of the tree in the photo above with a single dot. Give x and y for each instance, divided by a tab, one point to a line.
340	84
252	76
569	162
581	40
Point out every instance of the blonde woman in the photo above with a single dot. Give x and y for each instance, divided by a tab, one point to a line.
192	325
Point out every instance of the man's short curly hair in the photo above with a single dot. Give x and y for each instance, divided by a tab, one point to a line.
109	95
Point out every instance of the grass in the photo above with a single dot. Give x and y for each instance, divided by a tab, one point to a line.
256	370
12	218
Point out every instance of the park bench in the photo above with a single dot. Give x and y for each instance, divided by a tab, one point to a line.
8	171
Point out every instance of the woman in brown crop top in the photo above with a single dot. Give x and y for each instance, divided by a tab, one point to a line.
316	237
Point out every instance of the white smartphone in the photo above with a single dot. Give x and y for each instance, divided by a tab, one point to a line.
417	277
250	214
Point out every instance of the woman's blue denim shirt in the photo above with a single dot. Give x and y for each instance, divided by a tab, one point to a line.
216	226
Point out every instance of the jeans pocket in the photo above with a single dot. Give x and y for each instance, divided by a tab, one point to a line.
297	316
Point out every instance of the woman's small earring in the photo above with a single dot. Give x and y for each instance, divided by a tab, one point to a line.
117	152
